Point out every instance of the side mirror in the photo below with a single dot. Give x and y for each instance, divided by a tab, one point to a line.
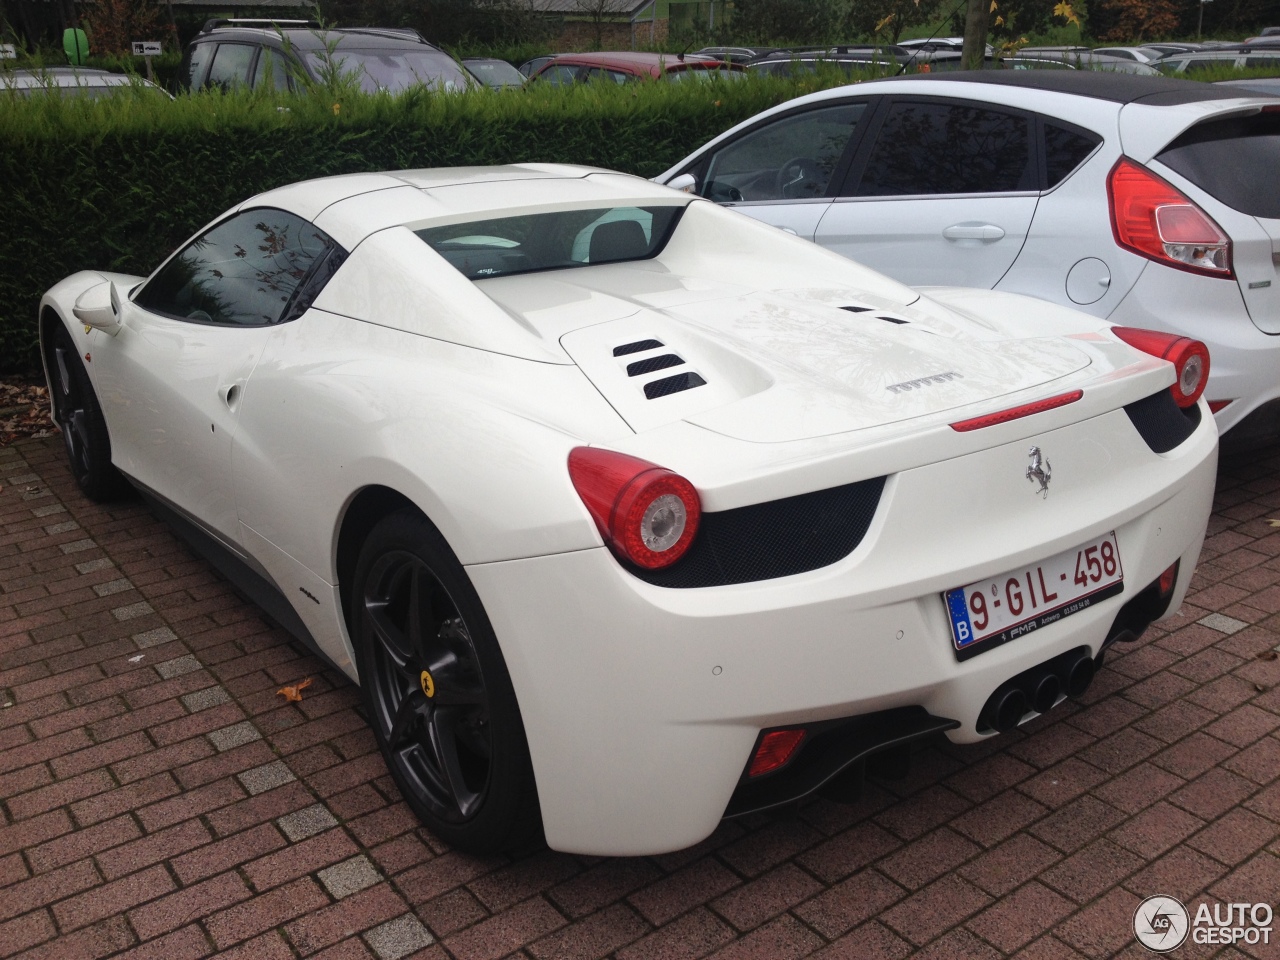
99	307
685	183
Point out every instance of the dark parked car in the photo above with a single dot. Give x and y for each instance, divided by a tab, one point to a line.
286	54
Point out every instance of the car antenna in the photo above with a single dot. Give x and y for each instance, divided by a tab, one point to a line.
956	9
680	55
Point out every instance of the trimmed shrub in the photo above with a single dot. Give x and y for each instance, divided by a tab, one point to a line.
117	184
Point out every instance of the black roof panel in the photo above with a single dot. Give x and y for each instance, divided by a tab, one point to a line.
1099	85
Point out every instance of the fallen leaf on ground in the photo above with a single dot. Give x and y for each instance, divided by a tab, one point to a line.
1273	523
1267	655
294	694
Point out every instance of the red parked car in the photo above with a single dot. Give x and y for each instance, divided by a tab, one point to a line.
627	66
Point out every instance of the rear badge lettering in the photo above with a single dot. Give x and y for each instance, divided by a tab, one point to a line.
924	382
1259	284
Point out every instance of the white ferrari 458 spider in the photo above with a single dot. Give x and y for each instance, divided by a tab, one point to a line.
627	512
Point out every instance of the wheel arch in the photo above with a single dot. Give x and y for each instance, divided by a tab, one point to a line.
365	510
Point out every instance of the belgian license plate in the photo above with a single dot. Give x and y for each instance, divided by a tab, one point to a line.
991	612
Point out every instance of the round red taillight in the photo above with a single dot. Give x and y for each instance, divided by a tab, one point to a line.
646	514
1190	359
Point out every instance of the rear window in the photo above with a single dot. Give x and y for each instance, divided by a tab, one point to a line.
480	249
1234	161
391	70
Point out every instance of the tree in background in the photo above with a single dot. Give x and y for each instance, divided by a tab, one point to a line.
788	21
886	19
448	22
1132	20
113	25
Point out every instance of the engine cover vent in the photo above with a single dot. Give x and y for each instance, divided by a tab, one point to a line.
669	385
636	347
650	364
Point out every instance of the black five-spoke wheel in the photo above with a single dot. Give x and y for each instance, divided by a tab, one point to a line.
79	417
437	690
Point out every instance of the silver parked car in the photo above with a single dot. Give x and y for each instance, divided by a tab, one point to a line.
1136	199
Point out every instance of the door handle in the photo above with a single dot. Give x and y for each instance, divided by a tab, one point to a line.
986	232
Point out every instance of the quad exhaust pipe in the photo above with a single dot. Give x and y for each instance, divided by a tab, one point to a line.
1037	689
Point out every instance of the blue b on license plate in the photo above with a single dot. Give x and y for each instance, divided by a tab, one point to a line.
990	612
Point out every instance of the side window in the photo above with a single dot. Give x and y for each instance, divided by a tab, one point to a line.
788	159
246	271
938	148
272	71
231	65
1262	61
559	74
1064	150
199	60
614	76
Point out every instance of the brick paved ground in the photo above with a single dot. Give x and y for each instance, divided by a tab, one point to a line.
157	799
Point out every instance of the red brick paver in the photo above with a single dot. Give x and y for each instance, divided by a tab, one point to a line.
158	800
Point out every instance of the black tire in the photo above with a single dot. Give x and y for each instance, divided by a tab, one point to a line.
437	691
79	417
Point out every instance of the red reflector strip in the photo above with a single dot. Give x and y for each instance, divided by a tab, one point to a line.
1016	413
1168	579
1216	405
776	748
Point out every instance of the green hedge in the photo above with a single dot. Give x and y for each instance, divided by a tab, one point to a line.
118	184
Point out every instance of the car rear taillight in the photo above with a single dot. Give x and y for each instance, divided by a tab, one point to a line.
1153	218
645	513
1190	359
774	751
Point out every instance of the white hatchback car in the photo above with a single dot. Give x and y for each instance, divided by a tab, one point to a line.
625	509
1144	200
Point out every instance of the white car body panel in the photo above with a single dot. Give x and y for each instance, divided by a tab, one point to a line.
642	703
950	240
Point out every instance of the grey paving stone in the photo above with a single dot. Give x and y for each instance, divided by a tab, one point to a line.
349	876
64	527
76	546
266	777
306	822
112	586
1220	621
49	509
178	666
204	699
236	735
133	611
398	938
89	566
25	478
153	638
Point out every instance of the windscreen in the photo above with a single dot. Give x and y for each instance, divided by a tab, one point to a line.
480	249
391	70
1233	160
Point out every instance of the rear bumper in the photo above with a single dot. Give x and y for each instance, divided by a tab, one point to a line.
642	704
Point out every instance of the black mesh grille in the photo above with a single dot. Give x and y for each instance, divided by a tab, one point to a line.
856	309
892	319
1161	422
668	385
650	364
636	347
774	539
